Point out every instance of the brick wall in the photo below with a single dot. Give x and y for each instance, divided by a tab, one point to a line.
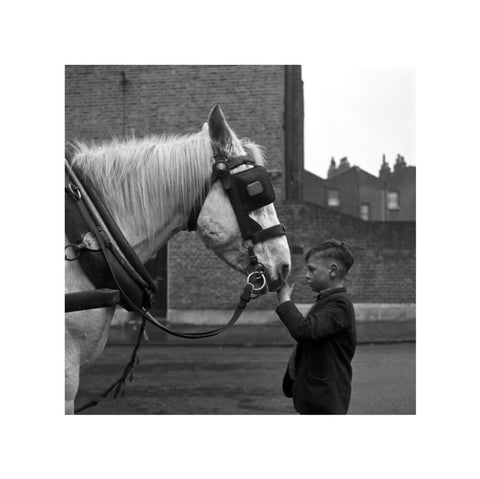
384	270
101	102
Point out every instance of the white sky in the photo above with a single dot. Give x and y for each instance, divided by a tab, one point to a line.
360	113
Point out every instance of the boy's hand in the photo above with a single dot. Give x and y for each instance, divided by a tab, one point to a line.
285	292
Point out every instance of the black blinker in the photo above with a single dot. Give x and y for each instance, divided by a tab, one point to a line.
248	190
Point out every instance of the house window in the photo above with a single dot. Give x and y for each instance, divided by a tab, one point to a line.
333	198
365	211
392	200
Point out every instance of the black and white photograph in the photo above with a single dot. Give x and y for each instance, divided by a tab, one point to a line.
192	190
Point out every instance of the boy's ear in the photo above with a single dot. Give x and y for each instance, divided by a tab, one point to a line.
334	269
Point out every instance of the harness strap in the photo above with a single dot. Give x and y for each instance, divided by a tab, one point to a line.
132	282
98	298
264	234
131	262
113	228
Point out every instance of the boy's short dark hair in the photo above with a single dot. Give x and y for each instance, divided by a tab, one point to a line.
339	250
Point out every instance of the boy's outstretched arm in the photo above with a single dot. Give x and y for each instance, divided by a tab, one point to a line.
331	319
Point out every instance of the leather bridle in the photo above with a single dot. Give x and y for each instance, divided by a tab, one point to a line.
247	191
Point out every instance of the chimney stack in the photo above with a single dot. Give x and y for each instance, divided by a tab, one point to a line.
344	164
399	164
333	168
385	171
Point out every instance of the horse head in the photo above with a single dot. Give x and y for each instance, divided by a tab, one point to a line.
218	224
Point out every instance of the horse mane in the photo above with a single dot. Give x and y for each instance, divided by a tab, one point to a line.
142	180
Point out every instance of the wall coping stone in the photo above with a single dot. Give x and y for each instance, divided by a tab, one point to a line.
364	312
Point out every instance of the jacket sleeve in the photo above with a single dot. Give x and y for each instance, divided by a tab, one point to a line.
330	319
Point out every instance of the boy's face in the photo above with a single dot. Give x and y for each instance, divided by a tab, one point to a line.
318	273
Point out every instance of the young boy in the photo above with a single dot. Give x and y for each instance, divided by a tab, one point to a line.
319	372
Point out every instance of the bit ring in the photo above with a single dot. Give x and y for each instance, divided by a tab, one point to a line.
258	276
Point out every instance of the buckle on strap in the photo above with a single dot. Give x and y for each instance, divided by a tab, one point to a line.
73	191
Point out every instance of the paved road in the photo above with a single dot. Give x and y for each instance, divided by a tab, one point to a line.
214	379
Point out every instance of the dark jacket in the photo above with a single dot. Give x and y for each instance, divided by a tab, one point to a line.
326	341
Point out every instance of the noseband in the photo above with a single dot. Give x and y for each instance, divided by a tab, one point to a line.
248	190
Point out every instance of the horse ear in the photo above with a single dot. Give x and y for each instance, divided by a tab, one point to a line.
218	129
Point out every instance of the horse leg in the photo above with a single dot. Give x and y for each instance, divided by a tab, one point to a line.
72	374
85	338
72	382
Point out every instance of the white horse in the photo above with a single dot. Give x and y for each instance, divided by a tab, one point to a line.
150	186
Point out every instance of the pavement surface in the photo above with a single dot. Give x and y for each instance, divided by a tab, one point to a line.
230	379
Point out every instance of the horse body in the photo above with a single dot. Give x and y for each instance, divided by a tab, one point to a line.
150	187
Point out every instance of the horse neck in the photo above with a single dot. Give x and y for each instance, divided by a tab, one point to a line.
151	193
146	248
